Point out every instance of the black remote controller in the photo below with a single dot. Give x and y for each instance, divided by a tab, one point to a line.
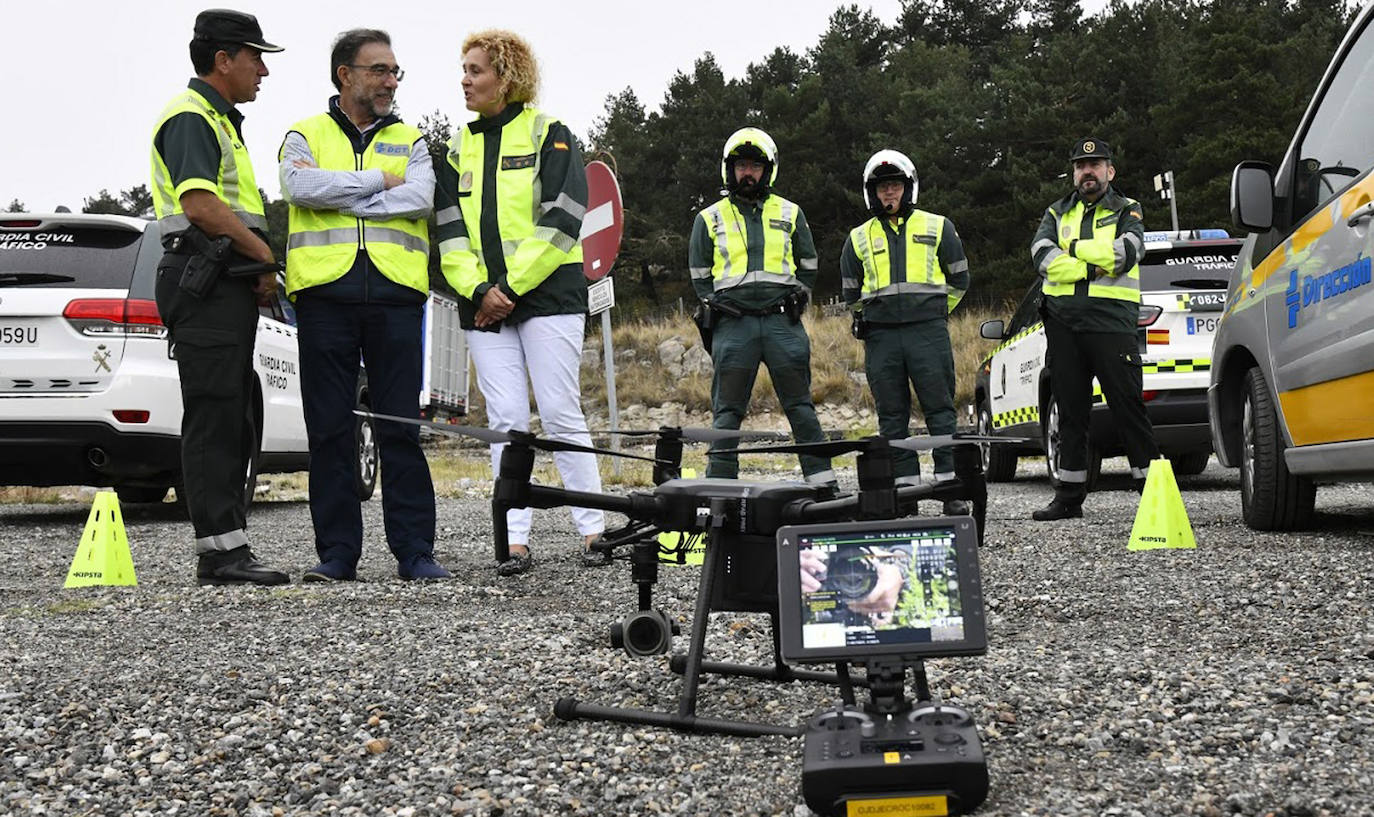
929	751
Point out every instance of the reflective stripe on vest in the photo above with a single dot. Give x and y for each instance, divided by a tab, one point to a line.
1068	228
322	245
235	185
518	193
730	265
922	276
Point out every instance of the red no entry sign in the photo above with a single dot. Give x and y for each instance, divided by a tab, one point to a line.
604	222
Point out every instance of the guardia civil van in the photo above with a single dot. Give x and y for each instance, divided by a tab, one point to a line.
1291	395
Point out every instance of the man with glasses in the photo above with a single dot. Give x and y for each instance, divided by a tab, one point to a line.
360	184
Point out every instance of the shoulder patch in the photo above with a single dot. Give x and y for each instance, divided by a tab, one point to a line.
1136	214
560	145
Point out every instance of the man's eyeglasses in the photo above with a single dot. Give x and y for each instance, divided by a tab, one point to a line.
379	70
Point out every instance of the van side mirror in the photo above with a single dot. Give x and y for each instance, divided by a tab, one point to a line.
992	330
1252	196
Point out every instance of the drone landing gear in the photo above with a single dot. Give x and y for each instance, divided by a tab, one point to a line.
686	718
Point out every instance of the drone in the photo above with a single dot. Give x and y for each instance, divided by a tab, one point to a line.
739	519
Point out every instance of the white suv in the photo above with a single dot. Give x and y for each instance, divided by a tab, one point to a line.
1183	278
88	394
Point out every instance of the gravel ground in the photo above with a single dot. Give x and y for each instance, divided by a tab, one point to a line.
1232	679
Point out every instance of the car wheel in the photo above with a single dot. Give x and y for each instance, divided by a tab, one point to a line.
1271	498
999	462
365	456
140	494
1053	448
1190	464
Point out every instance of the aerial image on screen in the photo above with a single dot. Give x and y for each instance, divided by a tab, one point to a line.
880	587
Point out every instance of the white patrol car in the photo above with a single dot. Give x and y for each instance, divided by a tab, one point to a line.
88	392
1183	278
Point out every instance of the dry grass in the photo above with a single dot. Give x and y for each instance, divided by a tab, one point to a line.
25	495
835	356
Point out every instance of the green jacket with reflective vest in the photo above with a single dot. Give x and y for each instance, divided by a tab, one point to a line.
1089	256
322	245
509	207
751	254
910	272
234	185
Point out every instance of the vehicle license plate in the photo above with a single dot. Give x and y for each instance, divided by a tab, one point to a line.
1202	326
1207	301
18	335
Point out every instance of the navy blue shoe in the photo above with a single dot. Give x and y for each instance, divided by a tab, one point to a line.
422	567
330	572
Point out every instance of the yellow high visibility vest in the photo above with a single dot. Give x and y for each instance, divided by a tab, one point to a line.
730	265
323	244
923	273
234	185
518	205
1068	228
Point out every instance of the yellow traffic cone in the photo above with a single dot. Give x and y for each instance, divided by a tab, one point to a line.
103	556
680	547
1161	521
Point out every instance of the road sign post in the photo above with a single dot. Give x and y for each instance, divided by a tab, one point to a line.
602	228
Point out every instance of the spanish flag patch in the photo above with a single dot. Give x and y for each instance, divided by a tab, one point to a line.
560	145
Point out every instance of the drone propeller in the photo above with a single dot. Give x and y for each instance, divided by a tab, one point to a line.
700	435
834	448
489	435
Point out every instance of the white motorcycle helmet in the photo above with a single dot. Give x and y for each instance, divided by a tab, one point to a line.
750	143
890	164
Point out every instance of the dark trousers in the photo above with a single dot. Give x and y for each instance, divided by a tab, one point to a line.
902	357
212	338
333	336
738	346
1074	358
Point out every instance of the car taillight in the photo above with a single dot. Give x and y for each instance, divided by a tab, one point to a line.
1149	313
1148	394
131	415
101	317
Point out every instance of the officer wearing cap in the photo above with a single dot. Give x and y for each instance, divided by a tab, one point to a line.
1088	250
203	190
753	265
902	272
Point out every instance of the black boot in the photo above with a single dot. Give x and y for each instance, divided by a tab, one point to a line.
1058	509
1067	503
237	566
958	507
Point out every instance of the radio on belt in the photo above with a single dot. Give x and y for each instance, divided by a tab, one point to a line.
887	595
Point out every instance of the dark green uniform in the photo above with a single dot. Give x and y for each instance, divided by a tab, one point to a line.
1089	255
905	278
212	338
750	258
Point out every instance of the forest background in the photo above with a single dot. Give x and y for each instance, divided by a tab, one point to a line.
986	96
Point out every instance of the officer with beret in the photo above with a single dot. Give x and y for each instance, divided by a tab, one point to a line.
1088	251
211	217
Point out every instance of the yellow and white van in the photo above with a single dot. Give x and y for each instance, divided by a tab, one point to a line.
1291	397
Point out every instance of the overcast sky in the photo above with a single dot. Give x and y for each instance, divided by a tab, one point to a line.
95	74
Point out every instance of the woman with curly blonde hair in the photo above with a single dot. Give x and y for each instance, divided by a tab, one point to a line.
509	205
